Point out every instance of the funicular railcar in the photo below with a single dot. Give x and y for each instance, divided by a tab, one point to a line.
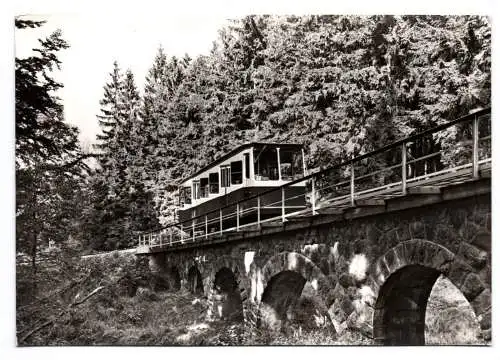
248	170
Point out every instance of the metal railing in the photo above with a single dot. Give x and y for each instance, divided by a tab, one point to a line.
450	152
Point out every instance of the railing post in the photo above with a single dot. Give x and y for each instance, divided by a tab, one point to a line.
150	236
352	183
237	216
161	238
206	226
258	211
171	234
475	147
303	163
220	221
403	168
193	228
279	162
283	204
182	232
313	197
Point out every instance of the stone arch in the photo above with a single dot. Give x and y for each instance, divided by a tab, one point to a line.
165	277
226	302
292	261
282	281
194	280
403	280
226	295
233	265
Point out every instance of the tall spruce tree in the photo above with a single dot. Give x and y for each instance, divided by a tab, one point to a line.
157	133
121	205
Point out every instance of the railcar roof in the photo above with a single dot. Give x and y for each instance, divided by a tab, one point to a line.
234	152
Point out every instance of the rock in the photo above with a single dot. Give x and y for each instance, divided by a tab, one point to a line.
417	229
458	272
483	241
482	302
472	286
346	305
485	320
486	335
361	323
472	255
346	280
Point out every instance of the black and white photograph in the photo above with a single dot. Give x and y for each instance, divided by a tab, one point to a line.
260	179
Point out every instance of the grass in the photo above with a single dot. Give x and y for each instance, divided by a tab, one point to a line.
450	319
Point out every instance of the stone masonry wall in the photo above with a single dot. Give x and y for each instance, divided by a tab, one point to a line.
348	262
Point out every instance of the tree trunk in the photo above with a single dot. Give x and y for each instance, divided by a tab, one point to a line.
34	247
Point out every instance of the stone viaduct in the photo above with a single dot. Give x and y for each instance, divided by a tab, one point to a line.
370	267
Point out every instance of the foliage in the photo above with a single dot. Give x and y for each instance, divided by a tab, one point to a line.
41	134
119	204
49	162
340	85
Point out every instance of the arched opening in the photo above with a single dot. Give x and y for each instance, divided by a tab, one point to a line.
280	297
174	279
195	283
226	296
405	307
400	310
449	318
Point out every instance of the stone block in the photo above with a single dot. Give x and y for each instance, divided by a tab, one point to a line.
336	312
441	261
332	279
346	280
458	272
361	323
472	255
483	241
392	260
417	229
486	334
485	274
372	234
472	286
346	305
482	302
338	291
485	320
353	293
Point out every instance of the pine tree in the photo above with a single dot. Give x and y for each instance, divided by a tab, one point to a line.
121	206
109	119
49	163
41	133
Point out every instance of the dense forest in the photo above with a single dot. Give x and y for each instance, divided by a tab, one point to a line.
340	85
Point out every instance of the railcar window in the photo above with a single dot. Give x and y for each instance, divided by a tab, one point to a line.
196	189
266	163
186	195
204	187
213	181
247	165
225	173
291	165
236	173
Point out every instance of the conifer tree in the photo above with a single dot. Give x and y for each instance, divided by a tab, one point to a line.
121	206
49	163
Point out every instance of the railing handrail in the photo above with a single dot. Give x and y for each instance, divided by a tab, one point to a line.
395	144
